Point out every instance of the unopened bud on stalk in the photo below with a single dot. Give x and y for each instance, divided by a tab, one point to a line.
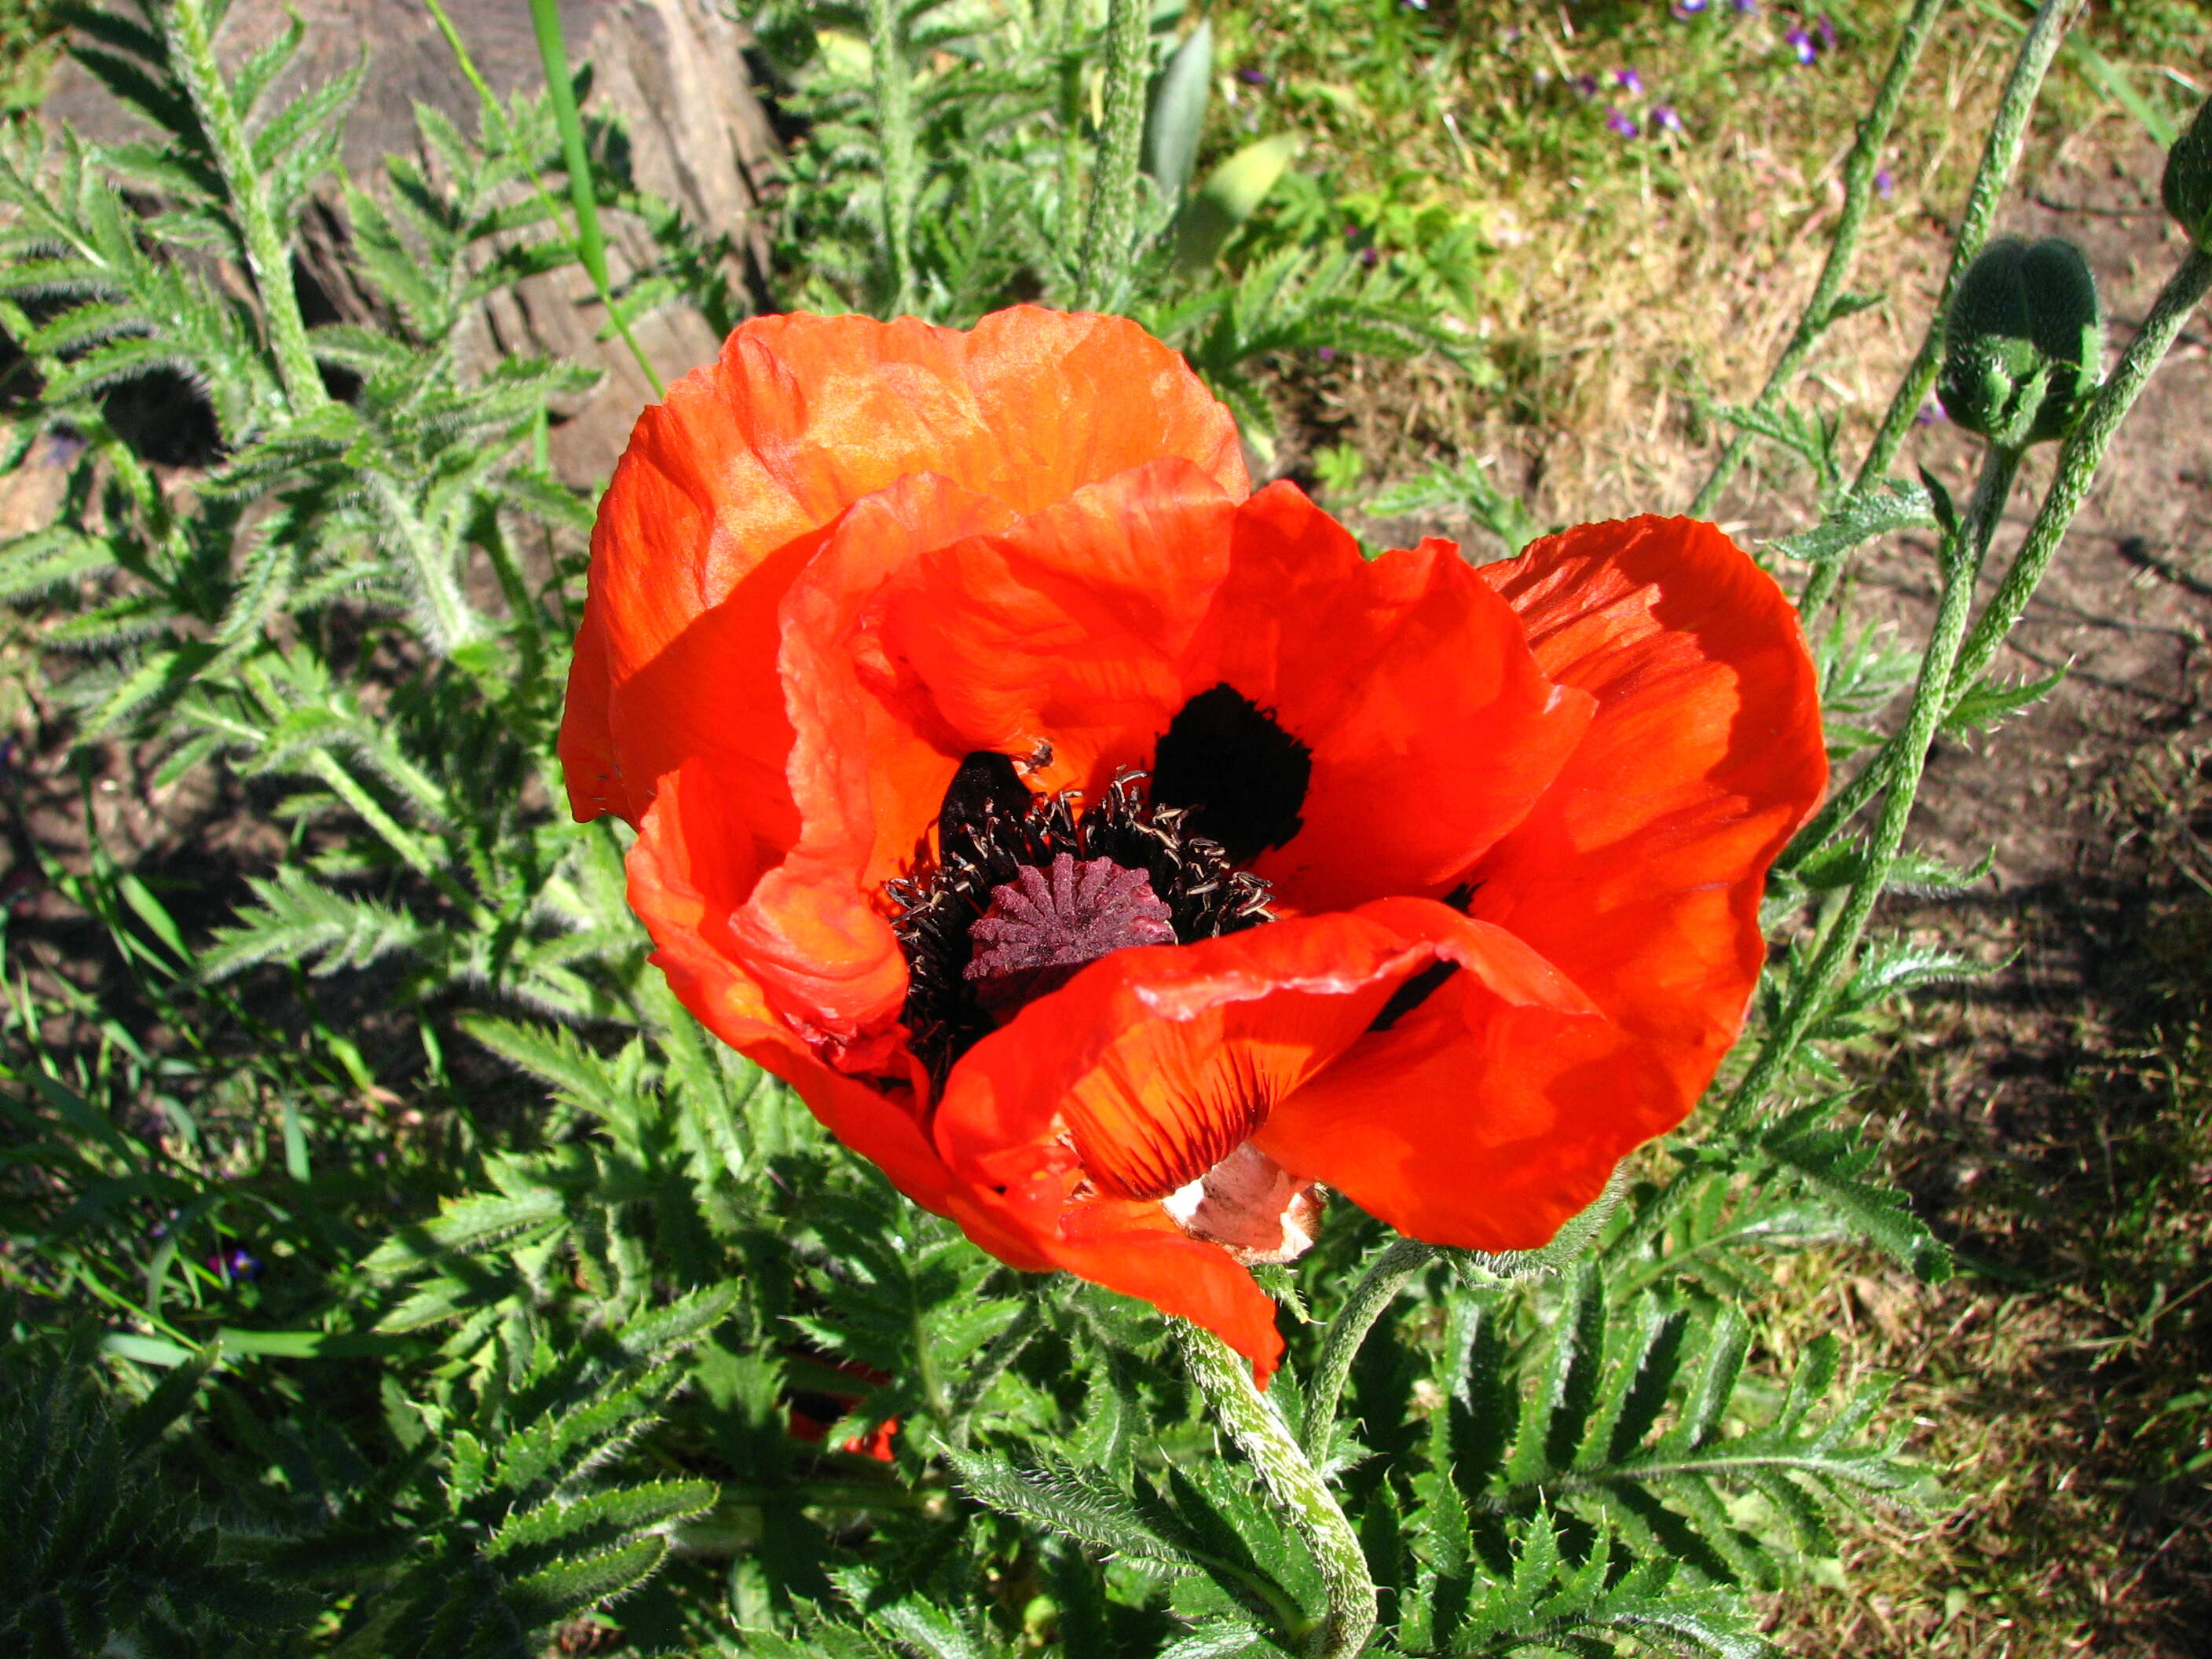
2188	187
2024	344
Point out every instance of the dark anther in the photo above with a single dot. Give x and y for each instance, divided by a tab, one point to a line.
994	835
1241	775
986	786
1045	924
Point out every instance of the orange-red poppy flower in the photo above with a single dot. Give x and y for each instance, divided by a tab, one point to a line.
1116	857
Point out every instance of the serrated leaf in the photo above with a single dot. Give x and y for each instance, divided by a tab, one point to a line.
1988	703
1858	520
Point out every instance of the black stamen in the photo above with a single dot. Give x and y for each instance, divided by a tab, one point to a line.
991	830
1241	775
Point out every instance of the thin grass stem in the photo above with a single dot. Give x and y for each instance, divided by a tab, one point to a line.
583	187
1820	311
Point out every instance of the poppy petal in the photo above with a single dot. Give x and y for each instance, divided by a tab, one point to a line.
1146	1069
1432	730
685	867
801	417
1640	872
1086	631
1486	1110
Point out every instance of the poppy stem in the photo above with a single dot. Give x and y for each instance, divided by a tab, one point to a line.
2001	154
1102	270
1826	308
1964	551
1251	1420
2078	461
1389	1274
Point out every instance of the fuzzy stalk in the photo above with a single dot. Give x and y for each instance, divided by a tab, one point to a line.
1115	184
894	90
1963	555
2000	157
1250	1419
2082	453
268	255
1389	1273
1820	312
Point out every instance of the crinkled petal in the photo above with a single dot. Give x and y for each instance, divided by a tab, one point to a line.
1489	1110
1082	632
1146	1068
682	871
801	417
1432	729
1639	874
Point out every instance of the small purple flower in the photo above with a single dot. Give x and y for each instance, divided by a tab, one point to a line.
1826	31
1665	119
1586	85
1687	9
1745	6
1253	77
1929	412
239	1266
1884	183
1802	44
7	761
1327	353
1629	82
1619	121
1368	256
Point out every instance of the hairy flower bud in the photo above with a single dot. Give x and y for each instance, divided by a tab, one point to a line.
2188	185
2024	344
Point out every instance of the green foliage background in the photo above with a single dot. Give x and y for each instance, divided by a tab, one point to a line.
397	1270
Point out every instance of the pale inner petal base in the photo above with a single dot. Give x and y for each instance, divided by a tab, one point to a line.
1250	1205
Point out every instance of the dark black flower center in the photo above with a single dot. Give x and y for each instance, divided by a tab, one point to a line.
1024	890
1242	776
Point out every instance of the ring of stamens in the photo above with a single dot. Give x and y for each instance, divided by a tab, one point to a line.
992	835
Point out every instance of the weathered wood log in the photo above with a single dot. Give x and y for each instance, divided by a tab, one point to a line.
672	73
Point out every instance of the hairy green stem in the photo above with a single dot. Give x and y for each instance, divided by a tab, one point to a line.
268	255
894	89
1385	1277
1859	170
2000	157
1250	1419
449	621
2082	453
1114	185
2079	458
1962	556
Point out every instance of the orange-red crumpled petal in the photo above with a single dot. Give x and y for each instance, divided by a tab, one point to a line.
1640	872
1148	1061
725	481
1636	876
1087	627
680	873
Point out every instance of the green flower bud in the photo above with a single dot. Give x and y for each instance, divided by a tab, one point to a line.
2025	343
2188	186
